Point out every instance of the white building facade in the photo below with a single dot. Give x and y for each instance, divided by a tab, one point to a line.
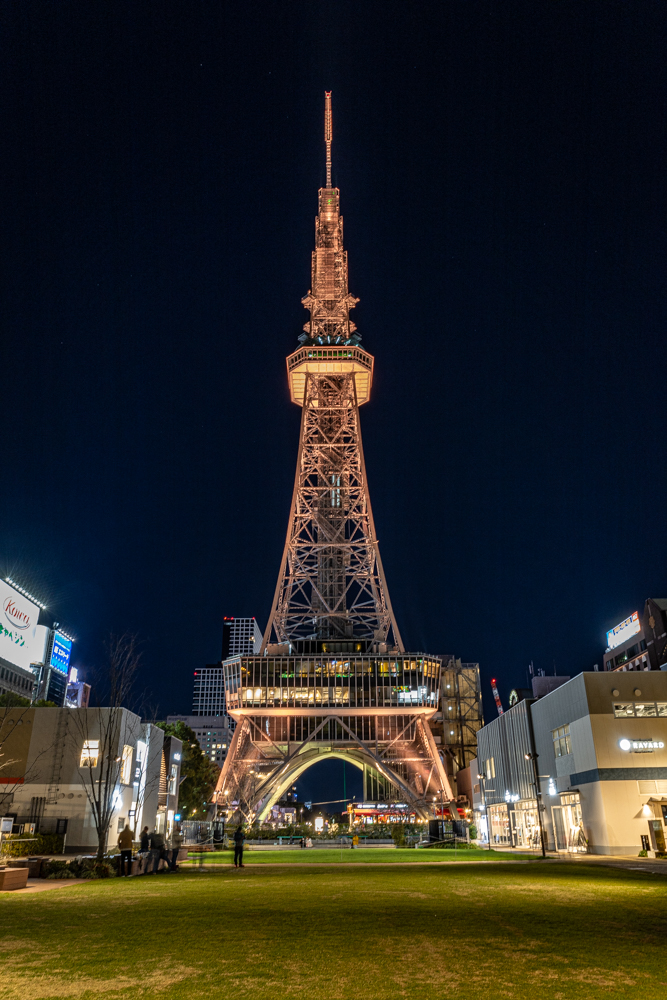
57	756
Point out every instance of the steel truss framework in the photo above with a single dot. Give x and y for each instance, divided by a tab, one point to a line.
269	751
331	582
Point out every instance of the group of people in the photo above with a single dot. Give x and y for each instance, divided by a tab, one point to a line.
153	848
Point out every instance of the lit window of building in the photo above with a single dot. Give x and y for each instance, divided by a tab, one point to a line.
89	753
126	766
562	744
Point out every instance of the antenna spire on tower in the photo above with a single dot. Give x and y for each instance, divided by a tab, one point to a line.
327	132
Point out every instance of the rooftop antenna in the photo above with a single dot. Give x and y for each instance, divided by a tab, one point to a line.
327	132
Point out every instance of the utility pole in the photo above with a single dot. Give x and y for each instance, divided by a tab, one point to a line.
482	777
538	797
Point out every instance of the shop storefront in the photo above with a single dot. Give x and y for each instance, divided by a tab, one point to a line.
499	823
568	824
525	824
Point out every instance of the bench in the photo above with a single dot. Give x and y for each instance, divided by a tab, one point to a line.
13	878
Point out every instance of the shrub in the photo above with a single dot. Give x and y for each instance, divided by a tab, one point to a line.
19	845
79	868
398	834
57	869
473	833
450	845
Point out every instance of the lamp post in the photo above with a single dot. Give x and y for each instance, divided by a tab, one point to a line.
442	814
482	777
538	797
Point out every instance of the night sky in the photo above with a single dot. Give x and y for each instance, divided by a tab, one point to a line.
502	177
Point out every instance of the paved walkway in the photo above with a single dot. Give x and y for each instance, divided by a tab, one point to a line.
630	862
653	866
43	885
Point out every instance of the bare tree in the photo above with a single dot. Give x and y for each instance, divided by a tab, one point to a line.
13	713
100	735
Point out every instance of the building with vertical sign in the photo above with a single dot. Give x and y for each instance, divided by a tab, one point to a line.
639	642
23	641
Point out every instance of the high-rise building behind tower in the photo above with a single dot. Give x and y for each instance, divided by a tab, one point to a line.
240	637
208	696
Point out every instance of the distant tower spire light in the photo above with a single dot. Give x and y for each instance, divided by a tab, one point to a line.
327	132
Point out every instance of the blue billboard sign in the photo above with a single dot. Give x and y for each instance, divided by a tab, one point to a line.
60	655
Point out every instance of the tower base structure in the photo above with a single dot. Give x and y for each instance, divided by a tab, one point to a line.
371	710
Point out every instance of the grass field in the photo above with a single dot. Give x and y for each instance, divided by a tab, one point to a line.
478	932
361	855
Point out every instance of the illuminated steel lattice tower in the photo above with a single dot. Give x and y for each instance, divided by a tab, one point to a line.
332	676
331	583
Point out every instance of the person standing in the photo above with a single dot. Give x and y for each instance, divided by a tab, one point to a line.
125	845
144	846
157	849
239	839
176	842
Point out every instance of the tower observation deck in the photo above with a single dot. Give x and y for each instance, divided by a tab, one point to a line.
332	677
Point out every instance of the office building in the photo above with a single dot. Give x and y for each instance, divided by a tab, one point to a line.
14	680
78	692
640	641
240	637
214	734
208	696
600	753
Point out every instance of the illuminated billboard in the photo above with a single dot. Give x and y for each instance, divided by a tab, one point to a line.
621	633
22	640
61	652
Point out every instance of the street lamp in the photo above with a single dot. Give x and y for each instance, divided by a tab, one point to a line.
482	777
538	797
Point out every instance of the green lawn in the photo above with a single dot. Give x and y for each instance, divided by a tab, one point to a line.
358	856
553	932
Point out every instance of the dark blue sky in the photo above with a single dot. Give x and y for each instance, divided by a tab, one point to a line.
501	168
